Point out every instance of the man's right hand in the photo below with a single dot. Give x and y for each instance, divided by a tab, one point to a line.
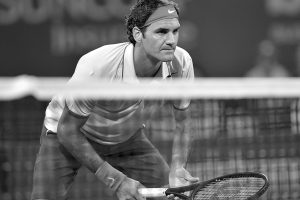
125	187
129	190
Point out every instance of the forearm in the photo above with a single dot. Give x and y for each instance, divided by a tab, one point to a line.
181	145
77	144
181	142
70	136
179	176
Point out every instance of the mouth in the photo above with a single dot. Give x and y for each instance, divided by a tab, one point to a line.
170	50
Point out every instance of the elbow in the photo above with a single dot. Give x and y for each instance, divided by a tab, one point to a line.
68	128
63	133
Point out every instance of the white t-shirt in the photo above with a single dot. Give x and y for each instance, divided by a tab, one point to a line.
115	121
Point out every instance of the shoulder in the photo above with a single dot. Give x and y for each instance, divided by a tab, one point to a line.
103	60
182	54
183	63
112	50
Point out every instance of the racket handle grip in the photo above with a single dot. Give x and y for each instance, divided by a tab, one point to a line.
152	192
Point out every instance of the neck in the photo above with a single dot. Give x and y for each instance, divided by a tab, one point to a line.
144	65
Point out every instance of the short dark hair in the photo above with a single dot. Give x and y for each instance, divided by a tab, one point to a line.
141	11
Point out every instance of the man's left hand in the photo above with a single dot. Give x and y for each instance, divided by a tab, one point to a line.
181	177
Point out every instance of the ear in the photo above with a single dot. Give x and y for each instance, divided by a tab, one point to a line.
137	34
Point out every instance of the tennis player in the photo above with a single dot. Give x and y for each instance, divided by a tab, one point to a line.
107	137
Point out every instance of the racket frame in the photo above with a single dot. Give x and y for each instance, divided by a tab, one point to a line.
197	186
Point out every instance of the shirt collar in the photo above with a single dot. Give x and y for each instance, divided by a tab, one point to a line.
129	74
168	70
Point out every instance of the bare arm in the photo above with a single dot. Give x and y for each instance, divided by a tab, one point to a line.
70	136
181	143
181	138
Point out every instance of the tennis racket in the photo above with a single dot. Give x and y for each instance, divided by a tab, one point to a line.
237	186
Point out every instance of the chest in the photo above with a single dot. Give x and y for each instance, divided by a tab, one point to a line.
117	106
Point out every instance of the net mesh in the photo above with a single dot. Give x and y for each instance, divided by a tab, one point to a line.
231	131
237	188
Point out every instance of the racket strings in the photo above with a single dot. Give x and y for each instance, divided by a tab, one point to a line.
232	188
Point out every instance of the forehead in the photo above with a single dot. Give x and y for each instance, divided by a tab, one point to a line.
165	24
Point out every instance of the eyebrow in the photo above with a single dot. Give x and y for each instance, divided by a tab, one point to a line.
165	29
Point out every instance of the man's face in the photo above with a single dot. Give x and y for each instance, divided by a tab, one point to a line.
161	38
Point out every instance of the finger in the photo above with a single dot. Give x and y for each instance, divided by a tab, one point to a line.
191	178
171	196
139	196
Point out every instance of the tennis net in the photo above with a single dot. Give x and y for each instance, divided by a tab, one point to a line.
236	124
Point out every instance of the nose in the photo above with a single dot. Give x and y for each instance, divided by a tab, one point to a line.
171	39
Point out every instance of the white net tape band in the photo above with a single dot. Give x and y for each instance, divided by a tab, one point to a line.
207	88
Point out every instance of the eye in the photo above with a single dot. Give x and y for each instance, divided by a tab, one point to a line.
176	30
162	31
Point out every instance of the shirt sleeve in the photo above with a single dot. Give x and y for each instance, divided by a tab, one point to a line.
187	74
81	106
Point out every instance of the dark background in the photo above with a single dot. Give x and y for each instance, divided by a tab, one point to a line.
46	38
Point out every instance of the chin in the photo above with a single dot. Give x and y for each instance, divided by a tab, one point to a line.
167	58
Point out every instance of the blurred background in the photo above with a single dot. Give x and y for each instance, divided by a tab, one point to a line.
46	38
226	38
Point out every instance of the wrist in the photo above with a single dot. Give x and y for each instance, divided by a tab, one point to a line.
110	176
177	161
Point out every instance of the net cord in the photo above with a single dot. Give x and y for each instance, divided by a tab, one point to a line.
44	88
